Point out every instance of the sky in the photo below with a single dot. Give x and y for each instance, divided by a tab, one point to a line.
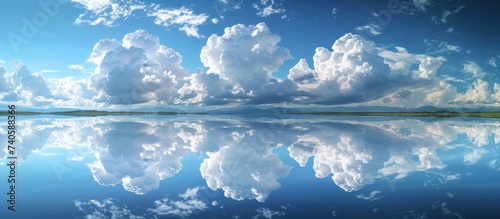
137	53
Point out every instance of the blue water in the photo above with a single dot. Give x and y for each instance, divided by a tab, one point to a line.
259	167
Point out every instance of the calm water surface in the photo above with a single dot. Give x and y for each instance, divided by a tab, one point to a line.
259	167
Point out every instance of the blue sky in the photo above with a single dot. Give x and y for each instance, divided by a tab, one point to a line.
227	52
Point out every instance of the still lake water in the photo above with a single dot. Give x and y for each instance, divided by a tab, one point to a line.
254	167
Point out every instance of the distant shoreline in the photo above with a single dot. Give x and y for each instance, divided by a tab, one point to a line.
436	114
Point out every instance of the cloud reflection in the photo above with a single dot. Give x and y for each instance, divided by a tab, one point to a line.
239	154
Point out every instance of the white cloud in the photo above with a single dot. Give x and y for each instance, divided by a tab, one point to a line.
492	61
448	13
104	209
245	56
106	12
3	80
228	168
186	205
447	211
421	4
47	71
267	213
69	92
334	213
215	20
348	151
355	71
334	11
76	67
429	66
371	28
373	196
76	159
23	87
445	47
474	69
154	151
137	70
450	30
184	18
94	5
439	47
266	9
474	156
477	93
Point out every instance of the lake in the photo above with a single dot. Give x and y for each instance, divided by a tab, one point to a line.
230	166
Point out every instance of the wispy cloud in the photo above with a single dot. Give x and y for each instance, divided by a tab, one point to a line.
76	67
186	206
373	196
106	12
372	28
473	69
421	4
109	12
107	208
267	213
448	13
184	18
266	8
492	61
47	71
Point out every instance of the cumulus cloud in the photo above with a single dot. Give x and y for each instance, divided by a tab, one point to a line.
358	154
137	70
153	153
23	87
240	66
228	168
241	63
356	71
245	55
479	93
69	92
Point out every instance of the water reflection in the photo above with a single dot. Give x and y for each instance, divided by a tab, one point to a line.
244	157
